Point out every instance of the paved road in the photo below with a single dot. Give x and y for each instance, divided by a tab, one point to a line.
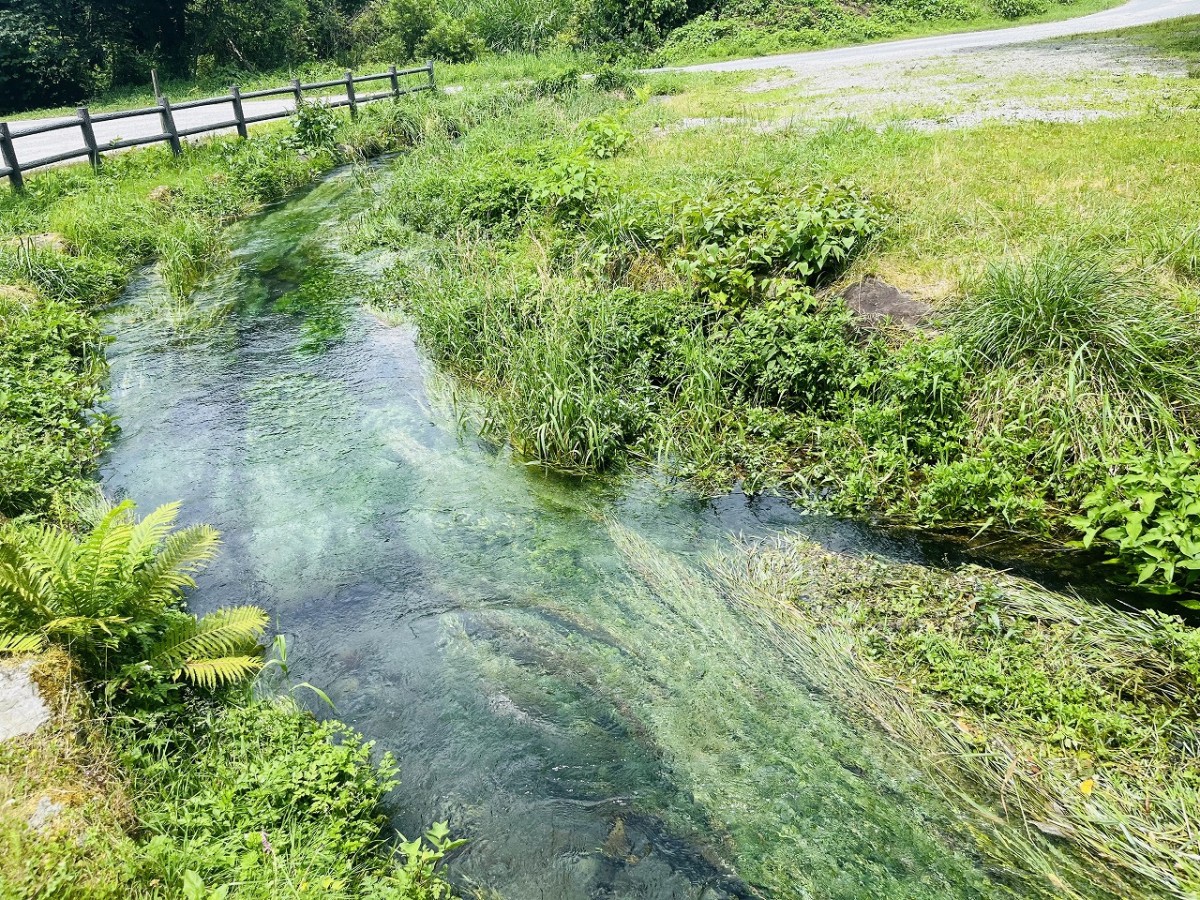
41	146
1139	12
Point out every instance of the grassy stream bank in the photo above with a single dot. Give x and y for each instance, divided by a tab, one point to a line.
169	768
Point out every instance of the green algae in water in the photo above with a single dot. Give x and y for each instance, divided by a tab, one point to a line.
544	655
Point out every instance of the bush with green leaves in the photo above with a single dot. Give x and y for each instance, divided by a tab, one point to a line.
272	801
315	126
114	599
450	41
1016	9
788	353
1148	512
751	242
51	371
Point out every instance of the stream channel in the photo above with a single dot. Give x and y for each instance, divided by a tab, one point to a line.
594	732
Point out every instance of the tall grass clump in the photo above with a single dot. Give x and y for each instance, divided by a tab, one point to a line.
1079	353
1178	250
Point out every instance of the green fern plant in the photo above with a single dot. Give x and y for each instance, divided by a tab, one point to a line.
18	644
114	599
221	648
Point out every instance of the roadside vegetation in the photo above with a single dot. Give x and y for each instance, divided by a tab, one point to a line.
55	55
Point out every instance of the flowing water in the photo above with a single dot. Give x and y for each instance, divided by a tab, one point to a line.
543	655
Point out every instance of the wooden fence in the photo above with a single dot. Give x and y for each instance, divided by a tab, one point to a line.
13	168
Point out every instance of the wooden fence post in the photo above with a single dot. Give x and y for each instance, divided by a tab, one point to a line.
395	81
235	95
9	153
89	136
168	124
350	94
432	80
296	89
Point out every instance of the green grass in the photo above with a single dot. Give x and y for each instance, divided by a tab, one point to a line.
530	303
1094	353
1179	38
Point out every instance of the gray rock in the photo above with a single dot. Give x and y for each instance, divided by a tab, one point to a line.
22	710
44	813
873	302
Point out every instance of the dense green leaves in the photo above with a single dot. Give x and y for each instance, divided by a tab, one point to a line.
1149	510
114	598
271	802
51	371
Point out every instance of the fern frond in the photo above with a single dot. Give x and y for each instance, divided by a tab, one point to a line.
17	644
83	626
152	531
100	558
183	553
212	673
226	632
29	583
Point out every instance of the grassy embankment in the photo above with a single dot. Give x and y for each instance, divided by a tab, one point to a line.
625	286
167	775
634	280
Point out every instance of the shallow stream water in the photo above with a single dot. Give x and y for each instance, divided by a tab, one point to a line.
543	655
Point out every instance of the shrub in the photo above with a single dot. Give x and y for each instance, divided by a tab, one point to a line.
1149	510
751	242
449	41
394	28
787	353
605	137
1015	9
314	126
525	26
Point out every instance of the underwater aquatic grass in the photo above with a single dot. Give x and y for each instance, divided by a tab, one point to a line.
909	646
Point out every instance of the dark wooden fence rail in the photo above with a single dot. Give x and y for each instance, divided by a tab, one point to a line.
11	167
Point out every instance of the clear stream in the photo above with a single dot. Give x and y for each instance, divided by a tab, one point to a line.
540	653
